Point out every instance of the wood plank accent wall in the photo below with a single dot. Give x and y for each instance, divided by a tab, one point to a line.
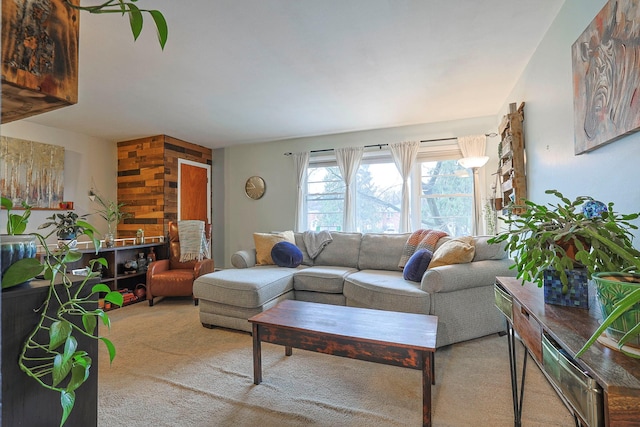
148	181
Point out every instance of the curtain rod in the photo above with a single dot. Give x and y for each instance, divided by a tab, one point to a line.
492	134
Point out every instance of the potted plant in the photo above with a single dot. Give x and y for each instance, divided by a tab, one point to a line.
111	212
565	236
582	233
15	245
67	226
51	354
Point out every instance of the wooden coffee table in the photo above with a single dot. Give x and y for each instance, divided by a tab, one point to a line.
392	338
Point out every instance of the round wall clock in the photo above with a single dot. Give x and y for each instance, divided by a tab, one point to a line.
254	187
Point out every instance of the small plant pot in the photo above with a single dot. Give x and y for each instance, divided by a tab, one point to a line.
610	288
67	240
575	294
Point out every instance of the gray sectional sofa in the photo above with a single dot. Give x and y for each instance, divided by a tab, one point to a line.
361	270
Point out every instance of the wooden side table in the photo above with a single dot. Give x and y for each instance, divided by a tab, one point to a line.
609	381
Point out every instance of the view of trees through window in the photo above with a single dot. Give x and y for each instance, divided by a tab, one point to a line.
445	198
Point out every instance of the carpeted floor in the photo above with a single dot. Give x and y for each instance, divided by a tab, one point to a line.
170	371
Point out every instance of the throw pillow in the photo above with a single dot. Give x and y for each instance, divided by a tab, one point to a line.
458	250
286	254
264	243
417	265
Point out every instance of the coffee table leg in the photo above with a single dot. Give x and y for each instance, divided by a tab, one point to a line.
427	359
257	355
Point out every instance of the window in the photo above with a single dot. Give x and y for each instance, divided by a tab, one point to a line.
444	197
325	198
379	198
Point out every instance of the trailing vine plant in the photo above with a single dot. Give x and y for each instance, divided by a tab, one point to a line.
51	354
135	16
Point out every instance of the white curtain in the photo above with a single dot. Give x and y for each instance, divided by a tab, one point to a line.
404	155
301	163
474	146
348	162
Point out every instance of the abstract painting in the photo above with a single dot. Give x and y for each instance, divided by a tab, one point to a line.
606	76
31	172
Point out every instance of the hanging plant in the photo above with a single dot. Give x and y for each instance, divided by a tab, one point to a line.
51	354
135	16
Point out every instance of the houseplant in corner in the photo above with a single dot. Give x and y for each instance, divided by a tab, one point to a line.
51	354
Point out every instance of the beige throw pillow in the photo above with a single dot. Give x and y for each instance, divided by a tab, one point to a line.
458	250
264	242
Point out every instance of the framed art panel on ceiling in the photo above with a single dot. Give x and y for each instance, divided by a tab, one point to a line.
606	76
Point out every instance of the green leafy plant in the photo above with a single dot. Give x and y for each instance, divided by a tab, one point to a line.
540	237
16	224
51	354
68	224
135	16
538	240
111	212
620	308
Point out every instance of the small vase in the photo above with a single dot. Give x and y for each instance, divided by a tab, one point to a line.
109	240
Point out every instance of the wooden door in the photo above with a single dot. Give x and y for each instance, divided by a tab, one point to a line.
194	191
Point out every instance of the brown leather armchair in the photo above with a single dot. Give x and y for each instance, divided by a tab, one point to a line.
170	277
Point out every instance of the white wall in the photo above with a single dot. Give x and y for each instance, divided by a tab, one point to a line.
610	173
276	209
84	158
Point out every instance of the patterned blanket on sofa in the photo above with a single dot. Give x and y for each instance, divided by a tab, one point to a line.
420	239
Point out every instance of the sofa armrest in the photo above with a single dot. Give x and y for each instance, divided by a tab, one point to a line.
455	277
244	259
157	267
203	267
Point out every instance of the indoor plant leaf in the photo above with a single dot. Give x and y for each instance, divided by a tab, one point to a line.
89	322
58	333
67	400
21	271
110	347
620	308
161	27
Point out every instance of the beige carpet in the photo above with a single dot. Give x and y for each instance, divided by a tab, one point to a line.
170	371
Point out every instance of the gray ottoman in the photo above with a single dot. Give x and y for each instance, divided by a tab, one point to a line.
229	297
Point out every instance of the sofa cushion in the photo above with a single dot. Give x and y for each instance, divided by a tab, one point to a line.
328	279
417	265
381	251
458	250
286	254
343	250
247	287
485	250
264	242
385	290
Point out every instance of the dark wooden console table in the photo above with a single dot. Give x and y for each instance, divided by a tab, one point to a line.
613	379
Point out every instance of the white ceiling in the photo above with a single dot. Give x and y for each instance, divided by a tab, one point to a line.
241	71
